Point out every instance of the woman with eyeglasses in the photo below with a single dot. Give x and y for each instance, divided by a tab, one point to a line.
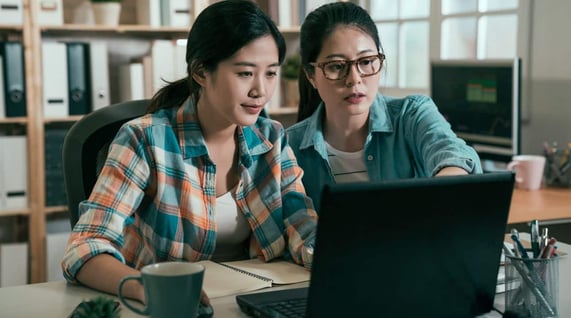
347	131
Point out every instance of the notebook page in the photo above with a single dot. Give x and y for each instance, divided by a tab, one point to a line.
279	271
220	280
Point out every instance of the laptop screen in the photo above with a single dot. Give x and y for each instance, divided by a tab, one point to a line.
426	247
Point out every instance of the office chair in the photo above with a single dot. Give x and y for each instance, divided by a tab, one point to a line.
85	149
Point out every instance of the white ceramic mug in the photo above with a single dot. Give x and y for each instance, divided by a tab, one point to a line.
172	289
528	171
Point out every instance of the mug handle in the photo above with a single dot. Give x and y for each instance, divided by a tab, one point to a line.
145	310
511	166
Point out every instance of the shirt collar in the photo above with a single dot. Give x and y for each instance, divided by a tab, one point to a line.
379	121
251	139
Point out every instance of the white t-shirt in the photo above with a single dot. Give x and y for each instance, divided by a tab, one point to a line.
233	230
347	166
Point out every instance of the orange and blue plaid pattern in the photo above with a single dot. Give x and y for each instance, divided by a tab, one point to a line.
155	198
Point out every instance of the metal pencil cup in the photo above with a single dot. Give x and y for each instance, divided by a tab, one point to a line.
558	170
532	287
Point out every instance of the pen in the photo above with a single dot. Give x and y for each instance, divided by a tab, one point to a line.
535	287
534	228
548	250
515	248
543	240
518	245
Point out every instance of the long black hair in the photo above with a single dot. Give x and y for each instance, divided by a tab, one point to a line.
317	26
218	32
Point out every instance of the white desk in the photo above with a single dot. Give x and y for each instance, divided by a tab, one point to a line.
58	299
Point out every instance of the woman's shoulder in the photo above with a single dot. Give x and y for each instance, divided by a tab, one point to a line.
161	117
410	104
414	100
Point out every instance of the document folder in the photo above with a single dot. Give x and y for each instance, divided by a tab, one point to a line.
50	12
13	172
13	264
54	66
11	12
162	53
14	84
175	13
2	100
99	71
131	83
78	78
149	12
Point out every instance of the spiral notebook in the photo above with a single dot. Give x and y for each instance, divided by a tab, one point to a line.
230	278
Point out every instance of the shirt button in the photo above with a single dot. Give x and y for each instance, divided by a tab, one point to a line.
370	157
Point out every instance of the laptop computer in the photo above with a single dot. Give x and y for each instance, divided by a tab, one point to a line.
427	247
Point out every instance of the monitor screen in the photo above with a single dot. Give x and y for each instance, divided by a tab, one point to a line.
481	101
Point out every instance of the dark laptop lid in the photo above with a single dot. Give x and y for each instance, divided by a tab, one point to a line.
406	248
410	248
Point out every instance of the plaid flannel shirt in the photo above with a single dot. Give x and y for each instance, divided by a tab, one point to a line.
155	198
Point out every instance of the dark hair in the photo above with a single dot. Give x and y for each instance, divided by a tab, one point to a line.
317	26
218	32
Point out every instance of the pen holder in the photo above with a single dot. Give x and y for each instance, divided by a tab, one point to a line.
532	286
558	169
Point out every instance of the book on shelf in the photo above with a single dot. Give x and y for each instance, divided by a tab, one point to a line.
230	278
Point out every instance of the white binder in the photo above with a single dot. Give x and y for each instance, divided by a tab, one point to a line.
198	6
179	59
149	12
284	13
162	51
55	84
175	13
147	62
2	95
13	264
131	83
50	12
99	72
55	247
13	172
11	12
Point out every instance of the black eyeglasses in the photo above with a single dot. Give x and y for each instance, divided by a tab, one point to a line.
339	69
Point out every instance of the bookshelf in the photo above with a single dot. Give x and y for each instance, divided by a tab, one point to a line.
31	221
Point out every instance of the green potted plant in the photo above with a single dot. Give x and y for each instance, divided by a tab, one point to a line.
98	307
106	12
289	80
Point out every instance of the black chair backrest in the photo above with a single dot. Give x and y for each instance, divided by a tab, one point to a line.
85	149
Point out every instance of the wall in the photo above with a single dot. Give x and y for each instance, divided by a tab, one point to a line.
550	76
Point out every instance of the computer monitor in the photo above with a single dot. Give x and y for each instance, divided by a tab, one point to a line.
481	101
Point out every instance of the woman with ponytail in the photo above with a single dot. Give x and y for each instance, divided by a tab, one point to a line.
202	175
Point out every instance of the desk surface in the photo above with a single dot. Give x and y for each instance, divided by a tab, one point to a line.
544	204
58	299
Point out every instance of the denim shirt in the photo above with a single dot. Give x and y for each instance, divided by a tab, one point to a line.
408	138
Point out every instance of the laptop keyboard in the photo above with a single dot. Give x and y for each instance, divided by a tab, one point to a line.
288	308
